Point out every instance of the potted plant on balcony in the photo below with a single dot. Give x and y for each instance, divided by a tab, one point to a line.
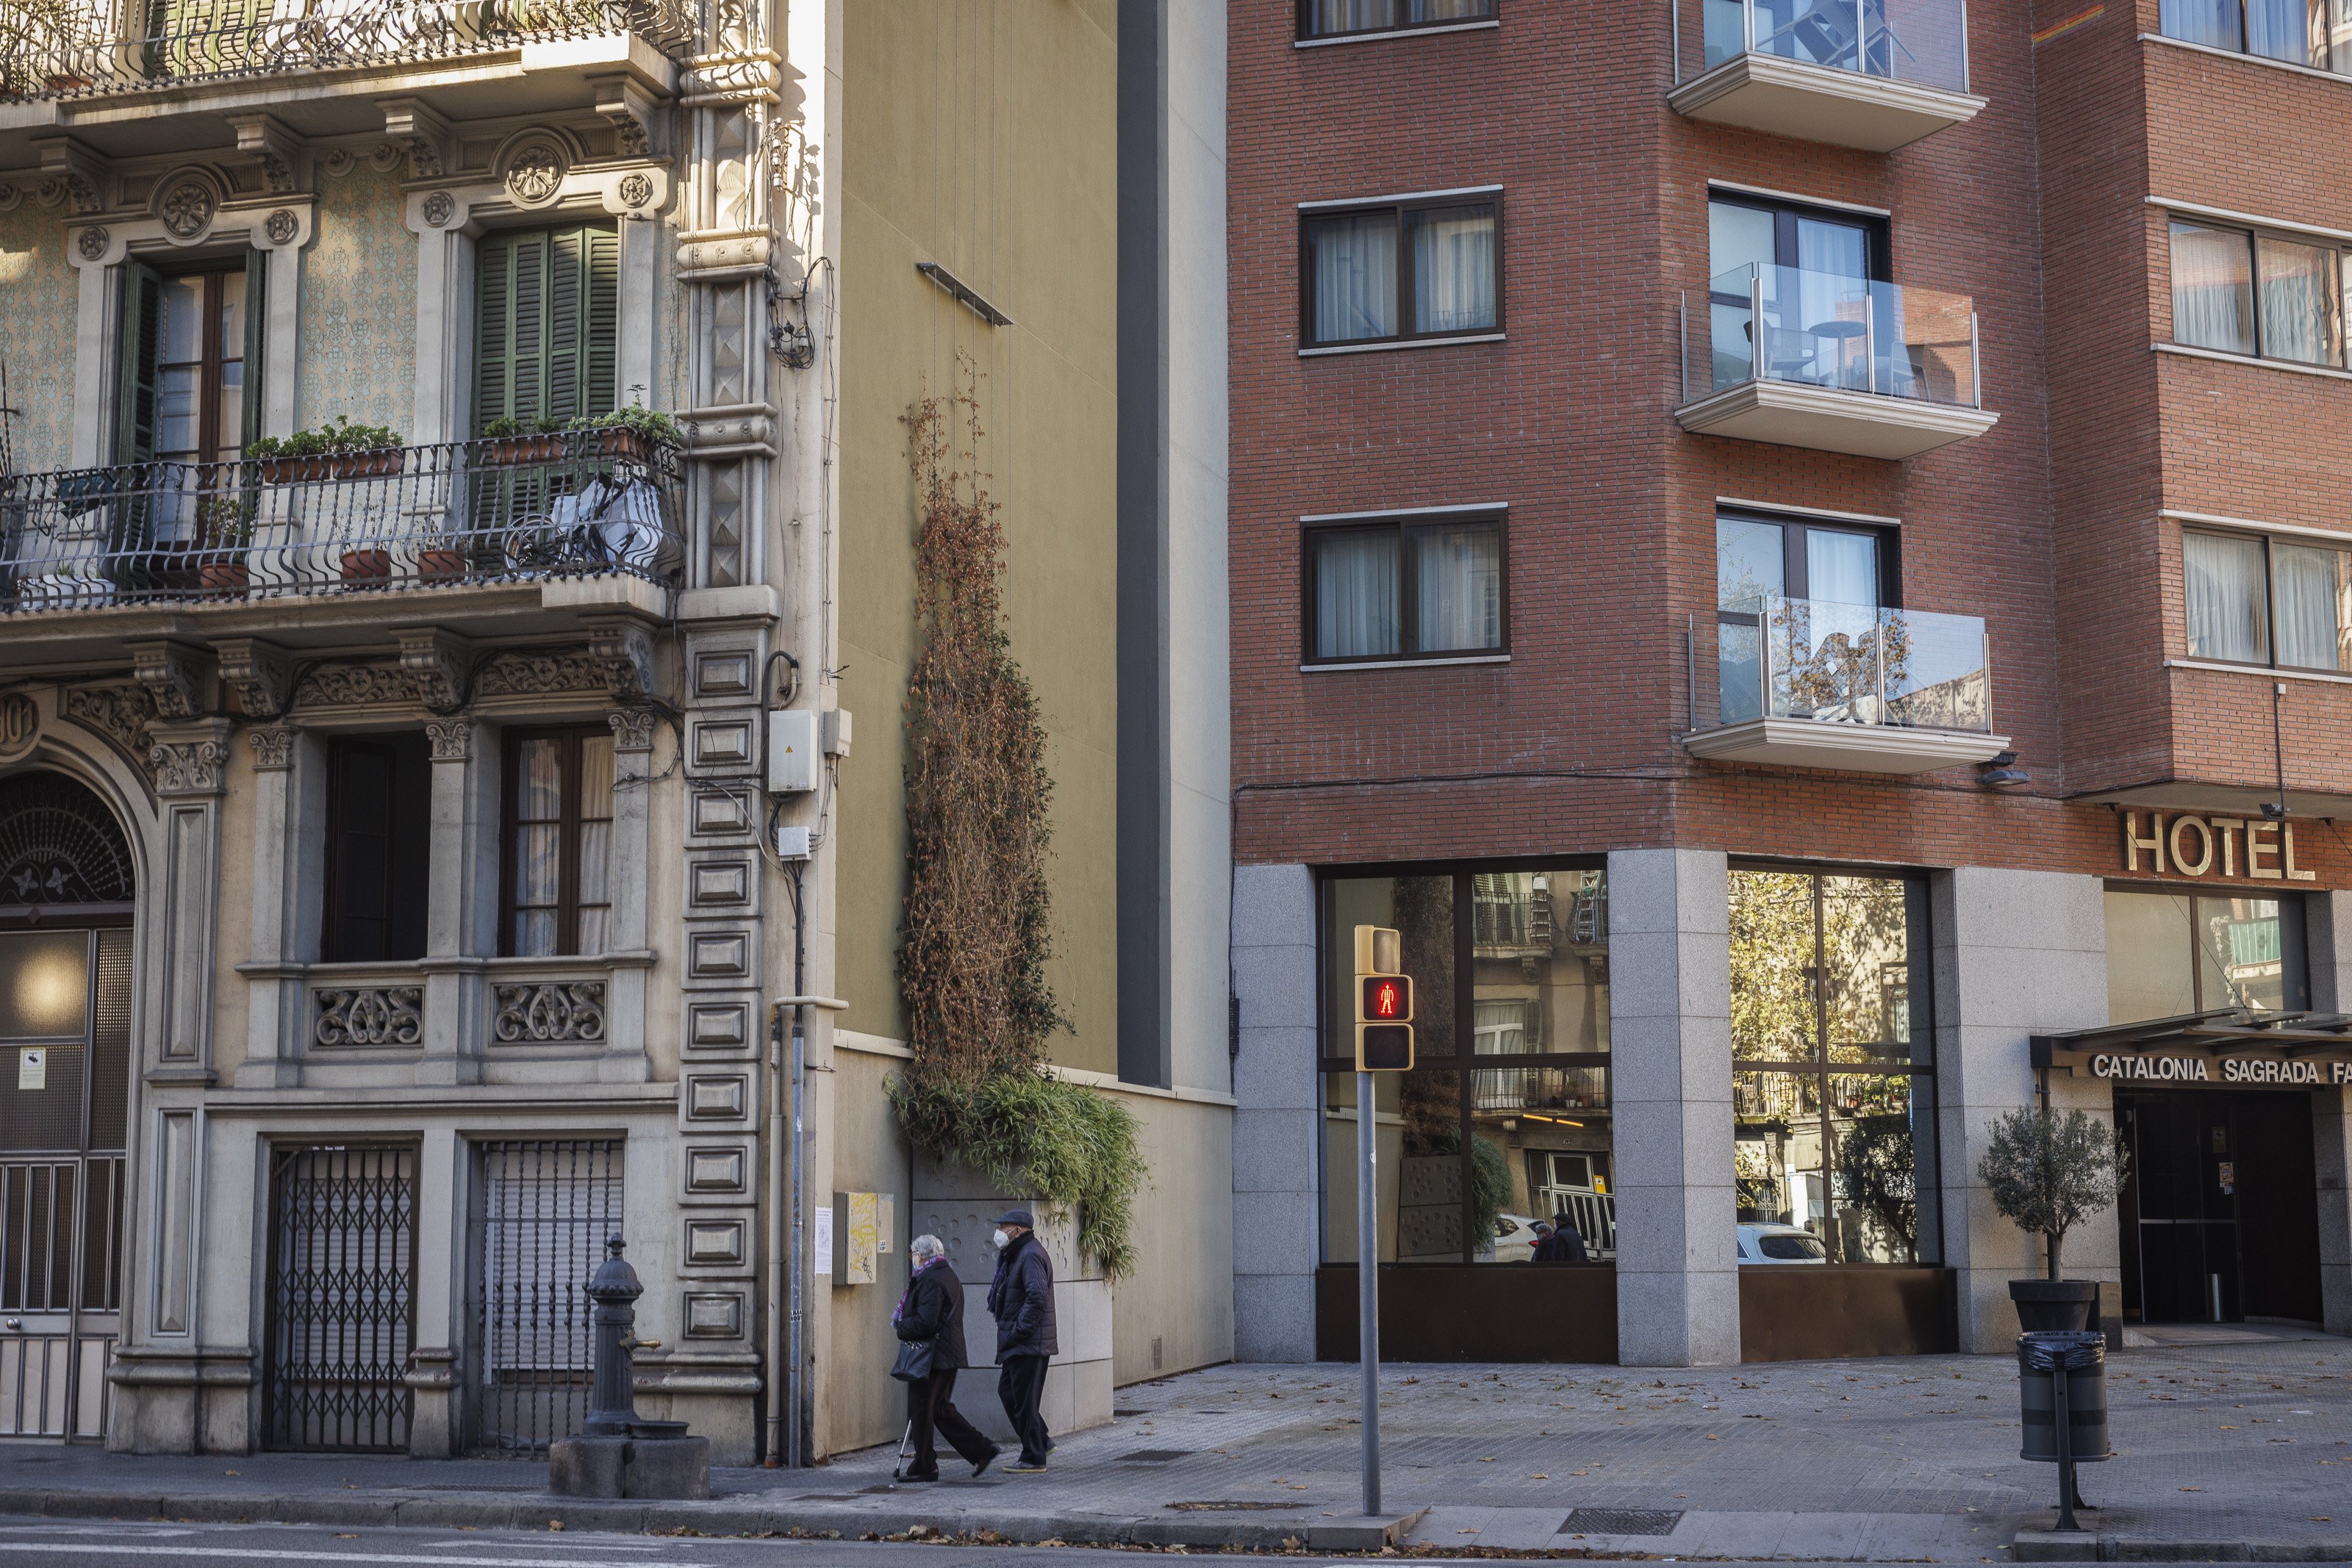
2047	1171
511	441
338	451
632	433
224	533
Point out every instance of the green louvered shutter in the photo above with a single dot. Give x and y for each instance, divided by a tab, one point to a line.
256	338
142	324
546	327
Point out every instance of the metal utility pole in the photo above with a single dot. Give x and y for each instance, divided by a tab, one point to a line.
1368	1284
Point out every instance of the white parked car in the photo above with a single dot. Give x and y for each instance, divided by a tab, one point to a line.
1515	1238
1780	1244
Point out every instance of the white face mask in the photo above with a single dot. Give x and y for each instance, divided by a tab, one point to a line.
1000	1238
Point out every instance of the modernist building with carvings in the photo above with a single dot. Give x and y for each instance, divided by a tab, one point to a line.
452	500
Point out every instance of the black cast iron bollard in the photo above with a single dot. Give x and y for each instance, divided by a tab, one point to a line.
612	1391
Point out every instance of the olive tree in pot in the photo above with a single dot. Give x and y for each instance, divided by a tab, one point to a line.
2047	1171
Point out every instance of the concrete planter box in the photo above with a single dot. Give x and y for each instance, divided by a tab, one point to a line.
960	1207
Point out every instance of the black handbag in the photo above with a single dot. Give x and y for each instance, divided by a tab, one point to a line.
914	1363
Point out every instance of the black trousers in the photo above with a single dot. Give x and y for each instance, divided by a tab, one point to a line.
930	1407
1019	1383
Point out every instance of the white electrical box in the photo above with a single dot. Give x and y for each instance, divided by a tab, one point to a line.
791	752
792	843
836	732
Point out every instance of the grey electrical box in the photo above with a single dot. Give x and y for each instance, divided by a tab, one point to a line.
835	725
791	752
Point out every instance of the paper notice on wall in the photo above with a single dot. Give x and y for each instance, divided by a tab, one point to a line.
821	1240
33	1067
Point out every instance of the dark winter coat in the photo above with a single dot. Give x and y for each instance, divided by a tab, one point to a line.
934	1311
1564	1245
1021	1300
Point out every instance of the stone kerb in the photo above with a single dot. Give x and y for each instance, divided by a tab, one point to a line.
960	1207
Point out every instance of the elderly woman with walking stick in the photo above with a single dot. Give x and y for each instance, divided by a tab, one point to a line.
929	1322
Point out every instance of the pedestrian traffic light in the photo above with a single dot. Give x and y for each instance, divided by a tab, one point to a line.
1383	1002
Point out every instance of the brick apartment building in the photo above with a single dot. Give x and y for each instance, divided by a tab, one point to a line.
1786	546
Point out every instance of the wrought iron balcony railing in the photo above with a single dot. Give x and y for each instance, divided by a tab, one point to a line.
78	48
518	510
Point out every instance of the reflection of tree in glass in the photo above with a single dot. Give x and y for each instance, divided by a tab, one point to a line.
1758	1178
1771	958
1864	945
1431	1102
1838	675
1876	1174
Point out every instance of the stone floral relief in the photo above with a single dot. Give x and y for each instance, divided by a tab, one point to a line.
359	305
37	335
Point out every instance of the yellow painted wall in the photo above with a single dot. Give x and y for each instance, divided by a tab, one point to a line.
983	134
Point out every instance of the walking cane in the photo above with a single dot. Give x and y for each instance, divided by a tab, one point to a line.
898	1472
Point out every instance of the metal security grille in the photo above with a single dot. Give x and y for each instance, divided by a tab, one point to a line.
545	1210
342	1310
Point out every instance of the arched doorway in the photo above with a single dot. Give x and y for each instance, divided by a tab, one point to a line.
67	888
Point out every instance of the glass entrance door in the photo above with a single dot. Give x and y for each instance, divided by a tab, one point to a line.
2221	1215
65	1079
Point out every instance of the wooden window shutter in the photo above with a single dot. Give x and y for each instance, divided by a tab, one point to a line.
602	394
257	341
547	335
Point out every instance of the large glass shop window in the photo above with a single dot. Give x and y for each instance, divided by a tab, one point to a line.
1833	1104
1504	1121
2173	953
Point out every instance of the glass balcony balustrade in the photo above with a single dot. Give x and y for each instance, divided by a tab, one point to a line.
1841	334
522	510
78	49
1925	42
1854	664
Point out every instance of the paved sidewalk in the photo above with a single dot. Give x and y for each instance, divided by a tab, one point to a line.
2235	1448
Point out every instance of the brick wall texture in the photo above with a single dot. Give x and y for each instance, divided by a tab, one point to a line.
2051	526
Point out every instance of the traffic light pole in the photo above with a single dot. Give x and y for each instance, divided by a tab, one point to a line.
1367	1283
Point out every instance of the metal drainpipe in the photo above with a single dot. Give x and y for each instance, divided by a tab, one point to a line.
778	1240
803	1404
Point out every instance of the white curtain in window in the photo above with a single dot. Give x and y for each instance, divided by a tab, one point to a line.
2311	582
2221	580
1355	278
1840	567
1454	270
2212	290
1355	593
2299	302
1458	587
2291	30
2213	22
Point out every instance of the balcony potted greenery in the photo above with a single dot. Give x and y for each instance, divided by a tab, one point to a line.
508	443
224	533
2046	1172
340	451
632	433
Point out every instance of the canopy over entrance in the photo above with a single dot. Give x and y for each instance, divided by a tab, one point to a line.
2223	1046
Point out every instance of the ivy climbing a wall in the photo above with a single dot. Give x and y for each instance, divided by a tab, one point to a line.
978	930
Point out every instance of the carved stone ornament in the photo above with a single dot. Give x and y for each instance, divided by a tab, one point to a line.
536	1014
79	171
356	686
188	208
384	157
259	674
539	674
282	227
636	191
440	208
633	728
93	241
451	739
625	651
340	161
273	748
11	197
421	132
270	142
175	676
536	174
435	660
373	1015
189	766
120	713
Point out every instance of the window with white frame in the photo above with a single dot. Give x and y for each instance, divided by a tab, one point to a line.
2256	600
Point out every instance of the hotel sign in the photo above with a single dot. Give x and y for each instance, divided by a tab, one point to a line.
2266	1071
2253	848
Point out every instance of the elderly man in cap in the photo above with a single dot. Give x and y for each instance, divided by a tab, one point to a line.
1021	1300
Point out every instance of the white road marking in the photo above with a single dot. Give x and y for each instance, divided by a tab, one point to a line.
147	1531
261	1554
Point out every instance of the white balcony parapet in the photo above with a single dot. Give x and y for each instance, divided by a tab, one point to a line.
1834	362
1871	74
1807	684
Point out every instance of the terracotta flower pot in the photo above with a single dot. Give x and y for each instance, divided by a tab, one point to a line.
367	565
512	451
225	579
440	565
619	440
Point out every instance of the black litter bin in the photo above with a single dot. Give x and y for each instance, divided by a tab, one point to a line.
2062	1397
